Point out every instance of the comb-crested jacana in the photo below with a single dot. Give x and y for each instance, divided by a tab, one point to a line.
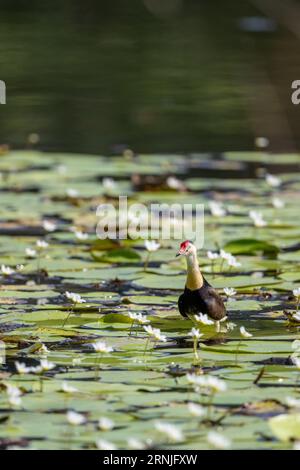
198	296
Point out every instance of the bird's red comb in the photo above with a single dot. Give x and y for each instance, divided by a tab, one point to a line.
184	245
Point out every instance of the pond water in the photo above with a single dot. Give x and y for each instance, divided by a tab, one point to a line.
141	385
151	75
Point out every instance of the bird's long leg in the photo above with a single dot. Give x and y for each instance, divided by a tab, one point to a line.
218	326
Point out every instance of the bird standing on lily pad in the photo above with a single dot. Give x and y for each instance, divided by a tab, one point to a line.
198	296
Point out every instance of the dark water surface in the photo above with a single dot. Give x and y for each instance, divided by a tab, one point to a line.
152	75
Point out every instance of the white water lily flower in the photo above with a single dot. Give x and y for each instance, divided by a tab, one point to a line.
43	349
108	183
21	368
81	235
133	315
230	326
245	333
203	318
278	203
12	390
102	347
174	183
296	361
172	432
292	402
196	410
75	298
41	244
14	401
215	384
232	261
225	254
229	291
102	444
36	369
155	333
159	337
151	245
72	192
66	388
296	344
260	222
136	444
273	180
218	441
216	209
141	319
208	382
194	379
13	395
296	316
76	419
46	365
296	292
212	255
6	270
105	424
262	142
296	445
61	169
195	333
30	252
257	218
49	226
149	329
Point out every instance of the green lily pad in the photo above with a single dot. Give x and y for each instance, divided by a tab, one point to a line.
250	246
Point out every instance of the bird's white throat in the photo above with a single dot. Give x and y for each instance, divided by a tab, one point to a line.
194	278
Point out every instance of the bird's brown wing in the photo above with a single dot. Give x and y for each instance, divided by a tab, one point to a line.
214	303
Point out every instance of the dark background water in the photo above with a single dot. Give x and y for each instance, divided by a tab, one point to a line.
152	75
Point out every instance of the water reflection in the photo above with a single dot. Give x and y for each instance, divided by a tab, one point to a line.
151	75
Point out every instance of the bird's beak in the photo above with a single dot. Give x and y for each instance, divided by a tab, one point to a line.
178	254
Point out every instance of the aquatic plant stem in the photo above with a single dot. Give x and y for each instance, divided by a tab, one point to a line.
210	407
131	327
70	312
147	261
195	350
153	347
97	366
41	383
38	267
221	266
237	351
146	346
